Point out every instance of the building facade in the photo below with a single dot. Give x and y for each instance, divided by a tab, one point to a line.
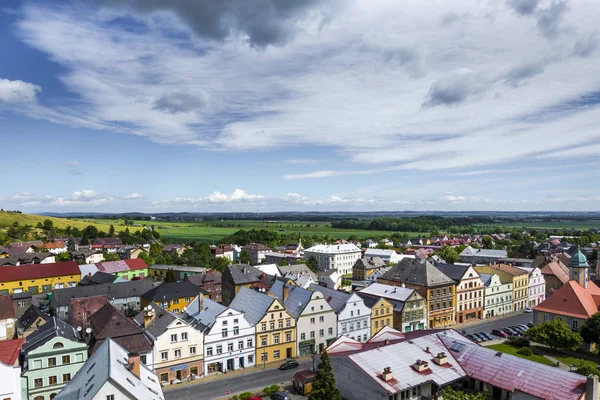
39	278
536	286
517	277
469	291
10	369
498	296
257	252
340	257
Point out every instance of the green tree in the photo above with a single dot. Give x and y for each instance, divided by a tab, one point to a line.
111	231
66	256
324	384
170	276
590	331
284	263
48	225
245	257
312	264
450	394
449	254
71	245
555	334
487	242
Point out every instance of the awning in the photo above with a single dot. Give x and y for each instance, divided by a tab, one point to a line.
178	367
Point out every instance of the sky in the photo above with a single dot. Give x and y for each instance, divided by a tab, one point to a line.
330	105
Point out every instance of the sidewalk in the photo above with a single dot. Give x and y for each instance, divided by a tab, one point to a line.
231	374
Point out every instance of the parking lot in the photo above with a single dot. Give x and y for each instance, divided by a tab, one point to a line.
488	325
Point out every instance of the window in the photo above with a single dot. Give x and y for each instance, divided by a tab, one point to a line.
276	339
281	324
241	344
276	354
176	301
312	309
184	336
209	351
163	378
66	359
66	377
110	397
312	320
344	328
352	313
164	355
224	332
143	360
219	349
303	336
263	357
236	321
249	343
364	323
173	338
52	380
387	321
330	331
263	341
52	362
38	383
288	323
225	323
187	299
575	325
229	346
192	349
236	330
312	334
264	326
357	312
376	312
250	358
272	325
288	337
322	332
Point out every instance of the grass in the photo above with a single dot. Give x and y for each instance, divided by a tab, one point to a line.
568	359
562	225
508	349
7	219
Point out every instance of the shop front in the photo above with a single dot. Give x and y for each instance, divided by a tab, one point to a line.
306	347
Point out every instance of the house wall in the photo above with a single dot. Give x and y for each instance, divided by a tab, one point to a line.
242	355
382	314
316	326
41	285
355	319
441	303
192	352
175	306
552	282
342	262
498	298
275	343
7	329
10	382
469	291
414	314
132	274
38	367
536	287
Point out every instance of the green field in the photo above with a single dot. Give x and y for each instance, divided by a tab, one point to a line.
506	348
566	224
7	220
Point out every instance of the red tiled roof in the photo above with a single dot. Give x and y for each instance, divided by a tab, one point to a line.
304	376
81	309
55	245
556	269
256	247
572	300
38	271
7	310
9	351
509	269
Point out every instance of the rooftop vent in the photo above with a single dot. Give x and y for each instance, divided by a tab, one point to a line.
387	374
498	354
420	366
441	359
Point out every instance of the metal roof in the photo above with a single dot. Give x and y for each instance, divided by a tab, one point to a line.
253	303
121	290
201	313
296	300
52	328
417	271
388	291
337	300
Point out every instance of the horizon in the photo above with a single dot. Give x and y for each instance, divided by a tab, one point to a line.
304	106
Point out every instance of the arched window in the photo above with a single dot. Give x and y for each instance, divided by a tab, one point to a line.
52	396
38	398
58	345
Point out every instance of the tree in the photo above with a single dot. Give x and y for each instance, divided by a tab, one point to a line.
111	231
487	242
448	393
312	264
66	256
284	263
555	334
590	331
48	224
170	276
245	257
324	384
449	254
71	245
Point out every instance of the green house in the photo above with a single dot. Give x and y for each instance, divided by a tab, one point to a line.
52	356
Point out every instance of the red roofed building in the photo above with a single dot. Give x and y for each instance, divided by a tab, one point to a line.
81	309
134	268
39	278
10	370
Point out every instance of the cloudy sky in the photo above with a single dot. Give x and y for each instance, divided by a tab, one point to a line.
196	105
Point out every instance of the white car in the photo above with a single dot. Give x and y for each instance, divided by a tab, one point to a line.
528	310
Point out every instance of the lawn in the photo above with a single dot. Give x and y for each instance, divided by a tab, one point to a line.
7	219
508	349
568	359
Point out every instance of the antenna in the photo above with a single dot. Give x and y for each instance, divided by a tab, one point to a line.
79	329
88	330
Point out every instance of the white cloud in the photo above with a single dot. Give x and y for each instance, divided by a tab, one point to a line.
237	196
73	164
133	196
16	92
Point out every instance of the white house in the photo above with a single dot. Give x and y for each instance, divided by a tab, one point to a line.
269	269
389	256
353	316
229	339
177	351
537	286
340	257
316	321
10	370
369	243
498	296
112	374
331	279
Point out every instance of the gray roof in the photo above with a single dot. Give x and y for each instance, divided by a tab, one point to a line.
50	329
30	316
296	300
337	300
244	273
202	317
469	252
486	278
121	290
158	326
370	263
179	268
298	269
253	303
417	271
454	272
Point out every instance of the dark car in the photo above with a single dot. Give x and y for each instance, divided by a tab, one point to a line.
289	364
480	337
280	396
498	332
510	332
518	329
474	338
530	324
523	326
486	335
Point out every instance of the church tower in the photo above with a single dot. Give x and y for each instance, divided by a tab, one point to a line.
579	268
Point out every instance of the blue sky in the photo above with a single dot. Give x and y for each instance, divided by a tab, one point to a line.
307	105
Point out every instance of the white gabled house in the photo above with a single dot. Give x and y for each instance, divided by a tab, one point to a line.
229	339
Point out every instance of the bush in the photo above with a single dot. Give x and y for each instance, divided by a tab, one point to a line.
245	395
517	341
235	397
586	370
269	390
525	351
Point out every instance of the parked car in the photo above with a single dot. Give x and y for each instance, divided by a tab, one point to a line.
530	324
510	331
474	338
523	326
289	364
499	333
518	329
252	398
281	396
482	338
486	335
528	310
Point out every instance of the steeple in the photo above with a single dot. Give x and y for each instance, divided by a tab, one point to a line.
579	268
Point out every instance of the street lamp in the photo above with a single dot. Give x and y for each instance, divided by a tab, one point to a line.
264	356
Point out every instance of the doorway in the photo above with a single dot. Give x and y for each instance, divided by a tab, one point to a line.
178	374
288	352
230	364
241	362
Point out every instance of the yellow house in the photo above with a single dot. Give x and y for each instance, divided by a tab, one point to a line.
509	274
382	313
173	296
39	278
275	327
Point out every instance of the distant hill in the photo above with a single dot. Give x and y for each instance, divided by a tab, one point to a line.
7	219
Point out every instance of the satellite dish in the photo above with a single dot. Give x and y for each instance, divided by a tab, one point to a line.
88	330
79	329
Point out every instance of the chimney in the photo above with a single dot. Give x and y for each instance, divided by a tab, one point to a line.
244	270
149	315
441	359
420	366
386	342
134	364
591	388
387	374
426	349
286	292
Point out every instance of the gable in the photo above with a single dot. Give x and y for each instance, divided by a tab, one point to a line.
383	303
470	273
415	296
58	344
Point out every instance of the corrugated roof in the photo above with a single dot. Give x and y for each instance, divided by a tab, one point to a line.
10	350
417	271
39	271
253	303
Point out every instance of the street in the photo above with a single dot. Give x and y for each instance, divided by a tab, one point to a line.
216	389
487	325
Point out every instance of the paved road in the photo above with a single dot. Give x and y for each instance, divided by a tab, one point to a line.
488	325
236	384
